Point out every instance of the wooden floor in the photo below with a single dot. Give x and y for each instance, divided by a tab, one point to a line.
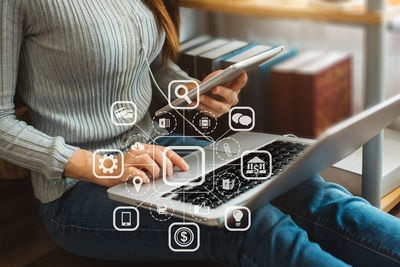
25	242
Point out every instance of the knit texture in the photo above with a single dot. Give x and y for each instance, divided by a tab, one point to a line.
70	61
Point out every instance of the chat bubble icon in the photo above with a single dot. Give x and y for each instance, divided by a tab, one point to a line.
241	119
245	120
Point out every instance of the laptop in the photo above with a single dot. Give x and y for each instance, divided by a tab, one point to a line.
196	195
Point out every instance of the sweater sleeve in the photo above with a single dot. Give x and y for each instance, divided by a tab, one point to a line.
21	144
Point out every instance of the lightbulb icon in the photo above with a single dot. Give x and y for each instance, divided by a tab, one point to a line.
238	215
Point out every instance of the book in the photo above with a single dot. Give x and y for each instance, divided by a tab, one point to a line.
188	61
262	82
259	93
281	94
348	172
322	93
257	90
211	61
194	42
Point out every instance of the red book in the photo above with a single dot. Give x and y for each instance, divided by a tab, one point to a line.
282	90
322	94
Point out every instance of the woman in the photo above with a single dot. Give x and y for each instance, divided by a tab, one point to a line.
70	60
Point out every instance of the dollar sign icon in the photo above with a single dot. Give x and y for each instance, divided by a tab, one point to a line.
256	170
184	236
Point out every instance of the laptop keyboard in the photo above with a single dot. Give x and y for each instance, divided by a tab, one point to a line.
283	153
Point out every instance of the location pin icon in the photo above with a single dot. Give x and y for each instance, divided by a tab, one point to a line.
137	182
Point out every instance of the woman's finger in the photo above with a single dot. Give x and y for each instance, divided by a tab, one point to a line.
133	172
146	162
177	160
209	76
158	157
239	82
228	94
219	106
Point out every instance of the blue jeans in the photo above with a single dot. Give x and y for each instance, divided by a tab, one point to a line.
315	224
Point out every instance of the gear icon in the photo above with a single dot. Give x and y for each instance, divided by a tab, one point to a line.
110	169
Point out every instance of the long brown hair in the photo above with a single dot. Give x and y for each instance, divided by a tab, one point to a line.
166	12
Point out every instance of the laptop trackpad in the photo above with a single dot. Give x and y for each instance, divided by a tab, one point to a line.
200	163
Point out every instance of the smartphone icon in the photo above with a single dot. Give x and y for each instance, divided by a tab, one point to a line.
126	219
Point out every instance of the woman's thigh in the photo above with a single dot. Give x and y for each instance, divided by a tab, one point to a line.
348	227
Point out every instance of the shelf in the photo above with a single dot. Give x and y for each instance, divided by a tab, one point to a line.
390	200
291	9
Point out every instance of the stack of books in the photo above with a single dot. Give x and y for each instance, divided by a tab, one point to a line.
311	92
293	93
203	55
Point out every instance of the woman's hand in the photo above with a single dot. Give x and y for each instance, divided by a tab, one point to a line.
149	158
137	163
222	98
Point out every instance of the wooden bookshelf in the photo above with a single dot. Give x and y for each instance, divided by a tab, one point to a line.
291	9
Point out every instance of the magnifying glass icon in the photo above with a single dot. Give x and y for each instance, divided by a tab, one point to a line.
185	92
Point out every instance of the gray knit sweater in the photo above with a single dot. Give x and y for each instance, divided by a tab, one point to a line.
70	60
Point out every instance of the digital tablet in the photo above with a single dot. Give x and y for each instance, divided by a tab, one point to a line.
227	75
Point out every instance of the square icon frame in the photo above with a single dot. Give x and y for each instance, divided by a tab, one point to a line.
126	229
256	151
253	117
183	224
97	152
123	123
208	148
203	165
237	229
197	88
